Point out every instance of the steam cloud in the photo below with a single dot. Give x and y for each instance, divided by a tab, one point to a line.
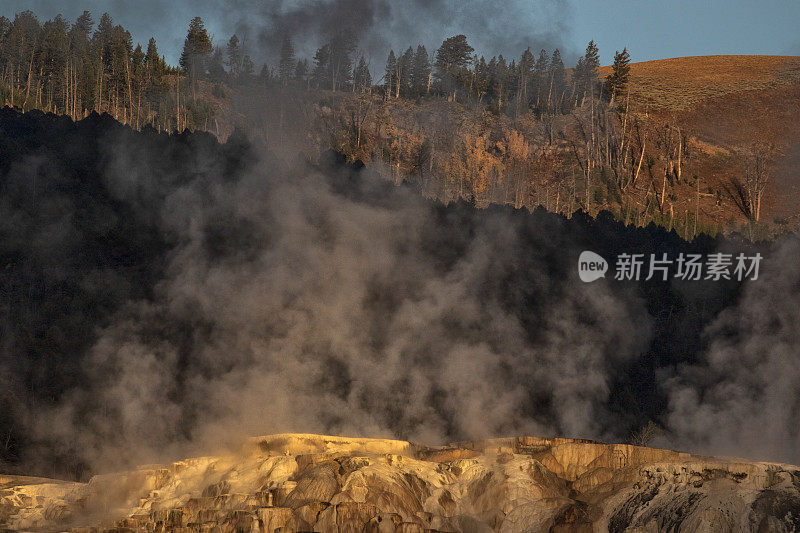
381	25
292	301
179	295
744	397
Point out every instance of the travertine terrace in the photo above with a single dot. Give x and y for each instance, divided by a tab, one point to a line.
300	482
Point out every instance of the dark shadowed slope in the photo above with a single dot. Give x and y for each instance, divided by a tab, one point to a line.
162	294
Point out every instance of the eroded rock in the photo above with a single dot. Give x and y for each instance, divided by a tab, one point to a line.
305	482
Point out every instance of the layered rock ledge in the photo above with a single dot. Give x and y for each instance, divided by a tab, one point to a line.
302	482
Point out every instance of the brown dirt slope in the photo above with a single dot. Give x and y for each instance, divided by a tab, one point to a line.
683	82
728	104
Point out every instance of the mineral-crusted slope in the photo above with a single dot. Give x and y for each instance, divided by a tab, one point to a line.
299	482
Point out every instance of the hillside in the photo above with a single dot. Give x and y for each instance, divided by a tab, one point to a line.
729	103
679	84
695	144
681	157
301	482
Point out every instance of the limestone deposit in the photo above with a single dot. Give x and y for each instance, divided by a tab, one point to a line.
299	482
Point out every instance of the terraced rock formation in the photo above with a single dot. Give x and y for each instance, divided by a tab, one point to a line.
298	482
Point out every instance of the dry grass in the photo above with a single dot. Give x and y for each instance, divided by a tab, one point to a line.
681	83
726	104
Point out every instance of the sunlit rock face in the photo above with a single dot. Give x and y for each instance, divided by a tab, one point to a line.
297	482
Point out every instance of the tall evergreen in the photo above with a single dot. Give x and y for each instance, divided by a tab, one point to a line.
591	62
197	48
287	63
151	56
216	66
235	56
301	71
390	73
525	77
617	81
53	58
558	75
362	79
452	63
321	66
405	72
340	63
541	79
156	67
248	69
454	54
421	71
23	38
585	75
481	83
499	85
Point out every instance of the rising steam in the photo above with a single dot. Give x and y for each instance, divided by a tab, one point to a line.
167	295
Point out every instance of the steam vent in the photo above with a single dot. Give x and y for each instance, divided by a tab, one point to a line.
298	482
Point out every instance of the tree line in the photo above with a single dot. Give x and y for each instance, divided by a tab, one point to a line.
77	68
70	69
540	84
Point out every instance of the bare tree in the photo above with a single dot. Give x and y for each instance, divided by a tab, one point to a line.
757	174
644	435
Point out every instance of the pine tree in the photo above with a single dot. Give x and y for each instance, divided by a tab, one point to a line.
525	76
579	74
156	68
587	69
234	51
216	66
592	57
248	69
390	73
362	79
406	64
340	62
53	56
23	39
500	81
104	27
151	56
481	85
452	61
321	66
286	66
454	54
196	49
83	24
558	76
617	81
112	47
139	78
79	78
301	71
421	71
540	77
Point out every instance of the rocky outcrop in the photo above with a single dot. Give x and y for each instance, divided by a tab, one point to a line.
296	482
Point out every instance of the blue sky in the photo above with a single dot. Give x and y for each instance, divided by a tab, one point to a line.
650	29
672	28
